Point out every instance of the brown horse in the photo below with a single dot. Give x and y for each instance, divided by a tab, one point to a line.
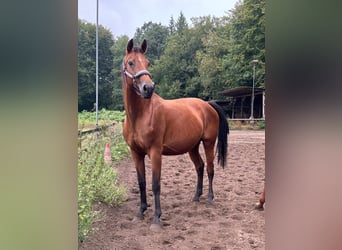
155	127
262	199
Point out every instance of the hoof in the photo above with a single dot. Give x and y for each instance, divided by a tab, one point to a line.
210	202
197	196
259	206
139	215
156	228
195	199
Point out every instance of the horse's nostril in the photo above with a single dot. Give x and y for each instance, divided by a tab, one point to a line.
144	88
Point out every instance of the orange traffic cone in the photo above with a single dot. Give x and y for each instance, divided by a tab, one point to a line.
107	154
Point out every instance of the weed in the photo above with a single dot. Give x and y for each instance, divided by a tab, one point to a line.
97	180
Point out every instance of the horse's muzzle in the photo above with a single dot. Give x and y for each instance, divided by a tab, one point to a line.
147	90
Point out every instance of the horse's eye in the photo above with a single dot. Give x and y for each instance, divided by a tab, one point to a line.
130	63
149	64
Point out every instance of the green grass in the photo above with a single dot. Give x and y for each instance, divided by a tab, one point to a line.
87	119
246	125
97	180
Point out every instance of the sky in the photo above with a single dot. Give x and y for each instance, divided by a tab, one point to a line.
123	17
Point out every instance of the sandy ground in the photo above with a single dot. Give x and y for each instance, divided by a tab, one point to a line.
231	223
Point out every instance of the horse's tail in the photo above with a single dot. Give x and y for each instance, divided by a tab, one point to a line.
222	143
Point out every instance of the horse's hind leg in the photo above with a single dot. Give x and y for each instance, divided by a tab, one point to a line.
199	165
140	167
210	155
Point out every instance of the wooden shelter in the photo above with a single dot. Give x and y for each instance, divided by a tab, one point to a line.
239	103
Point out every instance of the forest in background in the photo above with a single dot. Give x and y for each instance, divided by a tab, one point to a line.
199	58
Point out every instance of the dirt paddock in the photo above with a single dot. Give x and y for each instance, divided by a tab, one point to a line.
231	223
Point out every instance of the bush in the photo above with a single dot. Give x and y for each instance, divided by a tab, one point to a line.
97	180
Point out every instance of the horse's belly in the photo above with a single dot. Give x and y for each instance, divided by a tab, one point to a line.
179	148
182	136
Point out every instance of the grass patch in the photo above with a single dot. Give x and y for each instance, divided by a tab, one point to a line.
246	125
87	119
97	180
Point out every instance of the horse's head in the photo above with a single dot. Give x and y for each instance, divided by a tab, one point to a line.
135	70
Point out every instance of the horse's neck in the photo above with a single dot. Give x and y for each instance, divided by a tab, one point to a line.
135	106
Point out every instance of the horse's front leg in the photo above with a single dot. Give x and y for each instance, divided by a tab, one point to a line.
156	173
139	161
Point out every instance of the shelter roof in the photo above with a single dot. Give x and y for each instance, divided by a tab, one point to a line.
241	91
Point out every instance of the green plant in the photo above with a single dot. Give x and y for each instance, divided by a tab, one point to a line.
246	125
97	180
105	117
261	124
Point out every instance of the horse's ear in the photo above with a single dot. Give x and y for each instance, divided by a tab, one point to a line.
130	45
144	46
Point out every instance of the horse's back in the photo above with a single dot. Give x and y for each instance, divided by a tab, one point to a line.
190	110
196	106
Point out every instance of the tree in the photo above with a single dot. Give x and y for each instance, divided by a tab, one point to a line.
172	26
181	24
174	68
119	50
170	72
247	35
177	71
156	36
87	66
212	74
209	56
